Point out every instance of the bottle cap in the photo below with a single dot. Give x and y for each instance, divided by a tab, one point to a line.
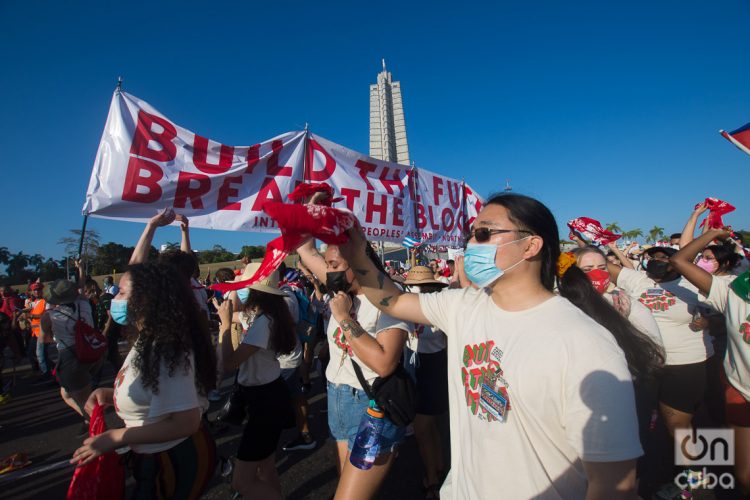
375	412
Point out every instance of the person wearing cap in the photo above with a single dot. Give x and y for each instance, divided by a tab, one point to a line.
432	384
267	399
37	347
66	307
674	302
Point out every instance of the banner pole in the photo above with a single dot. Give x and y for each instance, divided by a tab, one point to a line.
83	233
415	210
305	162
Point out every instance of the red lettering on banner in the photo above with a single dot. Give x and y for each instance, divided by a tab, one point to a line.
398	211
184	192
448	225
226	191
364	169
144	133
421	219
269	190
389	183
431	217
253	157
134	179
437	189
381	208
272	167
351	195
453	190
330	164
200	157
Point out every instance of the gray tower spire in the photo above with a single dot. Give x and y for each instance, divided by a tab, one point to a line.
387	124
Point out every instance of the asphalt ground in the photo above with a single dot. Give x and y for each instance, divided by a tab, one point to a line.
36	421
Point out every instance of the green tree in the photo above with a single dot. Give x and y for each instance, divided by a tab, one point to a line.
253	251
50	270
633	234
655	234
110	257
17	269
217	254
4	255
90	243
745	235
614	227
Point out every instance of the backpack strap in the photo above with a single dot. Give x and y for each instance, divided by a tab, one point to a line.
362	380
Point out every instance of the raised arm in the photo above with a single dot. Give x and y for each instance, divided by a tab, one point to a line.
185	230
623	258
377	287
576	237
140	253
688	232
683	260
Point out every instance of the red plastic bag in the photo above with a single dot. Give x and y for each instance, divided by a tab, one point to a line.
104	477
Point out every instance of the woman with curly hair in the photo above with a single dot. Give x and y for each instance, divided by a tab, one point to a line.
271	333
160	391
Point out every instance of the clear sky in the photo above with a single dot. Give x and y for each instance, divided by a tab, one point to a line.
603	109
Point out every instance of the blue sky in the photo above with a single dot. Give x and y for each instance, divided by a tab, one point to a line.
604	109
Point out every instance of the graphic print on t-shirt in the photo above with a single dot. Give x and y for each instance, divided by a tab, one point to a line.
657	299
118	382
485	388
340	340
745	330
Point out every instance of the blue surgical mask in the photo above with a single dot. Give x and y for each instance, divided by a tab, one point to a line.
479	263
243	294
119	310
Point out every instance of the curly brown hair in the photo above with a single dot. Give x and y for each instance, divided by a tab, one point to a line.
283	338
163	309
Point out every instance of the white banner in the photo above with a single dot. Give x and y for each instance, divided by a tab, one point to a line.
146	162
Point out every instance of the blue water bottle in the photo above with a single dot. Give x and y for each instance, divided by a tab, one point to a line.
367	444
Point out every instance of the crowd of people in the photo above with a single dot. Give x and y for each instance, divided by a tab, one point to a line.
562	374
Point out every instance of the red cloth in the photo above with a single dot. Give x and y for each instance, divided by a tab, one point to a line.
297	224
104	477
592	229
304	191
717	209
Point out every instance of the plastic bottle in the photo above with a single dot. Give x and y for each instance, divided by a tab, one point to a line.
367	444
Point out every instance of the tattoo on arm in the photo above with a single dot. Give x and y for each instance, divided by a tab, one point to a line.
381	280
362	272
386	301
353	328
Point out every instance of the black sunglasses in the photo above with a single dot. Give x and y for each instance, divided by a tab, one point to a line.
483	234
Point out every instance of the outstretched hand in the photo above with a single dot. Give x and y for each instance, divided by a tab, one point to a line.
163	218
183	220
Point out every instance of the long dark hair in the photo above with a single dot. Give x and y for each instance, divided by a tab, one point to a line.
283	338
533	216
644	357
725	256
163	309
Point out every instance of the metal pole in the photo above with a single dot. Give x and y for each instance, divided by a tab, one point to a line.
83	233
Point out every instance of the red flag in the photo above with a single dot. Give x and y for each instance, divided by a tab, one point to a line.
297	223
592	229
717	209
303	191
739	137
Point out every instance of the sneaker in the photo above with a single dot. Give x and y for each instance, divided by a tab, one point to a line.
214	395
301	442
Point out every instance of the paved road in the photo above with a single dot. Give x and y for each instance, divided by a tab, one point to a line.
38	423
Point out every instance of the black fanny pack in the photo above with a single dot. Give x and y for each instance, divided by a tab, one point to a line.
395	394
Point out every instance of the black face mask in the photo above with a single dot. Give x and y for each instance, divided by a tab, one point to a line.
658	269
336	282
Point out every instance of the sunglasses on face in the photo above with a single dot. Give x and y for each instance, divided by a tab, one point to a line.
483	234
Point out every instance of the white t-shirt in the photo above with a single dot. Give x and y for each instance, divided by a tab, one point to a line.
294	358
138	406
64	318
737	314
372	321
673	304
640	317
262	367
532	394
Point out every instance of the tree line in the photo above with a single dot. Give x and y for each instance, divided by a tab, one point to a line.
99	258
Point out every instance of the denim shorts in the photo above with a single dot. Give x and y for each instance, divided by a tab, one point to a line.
346	406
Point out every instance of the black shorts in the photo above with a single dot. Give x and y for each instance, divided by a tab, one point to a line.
432	383
682	386
269	411
72	375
